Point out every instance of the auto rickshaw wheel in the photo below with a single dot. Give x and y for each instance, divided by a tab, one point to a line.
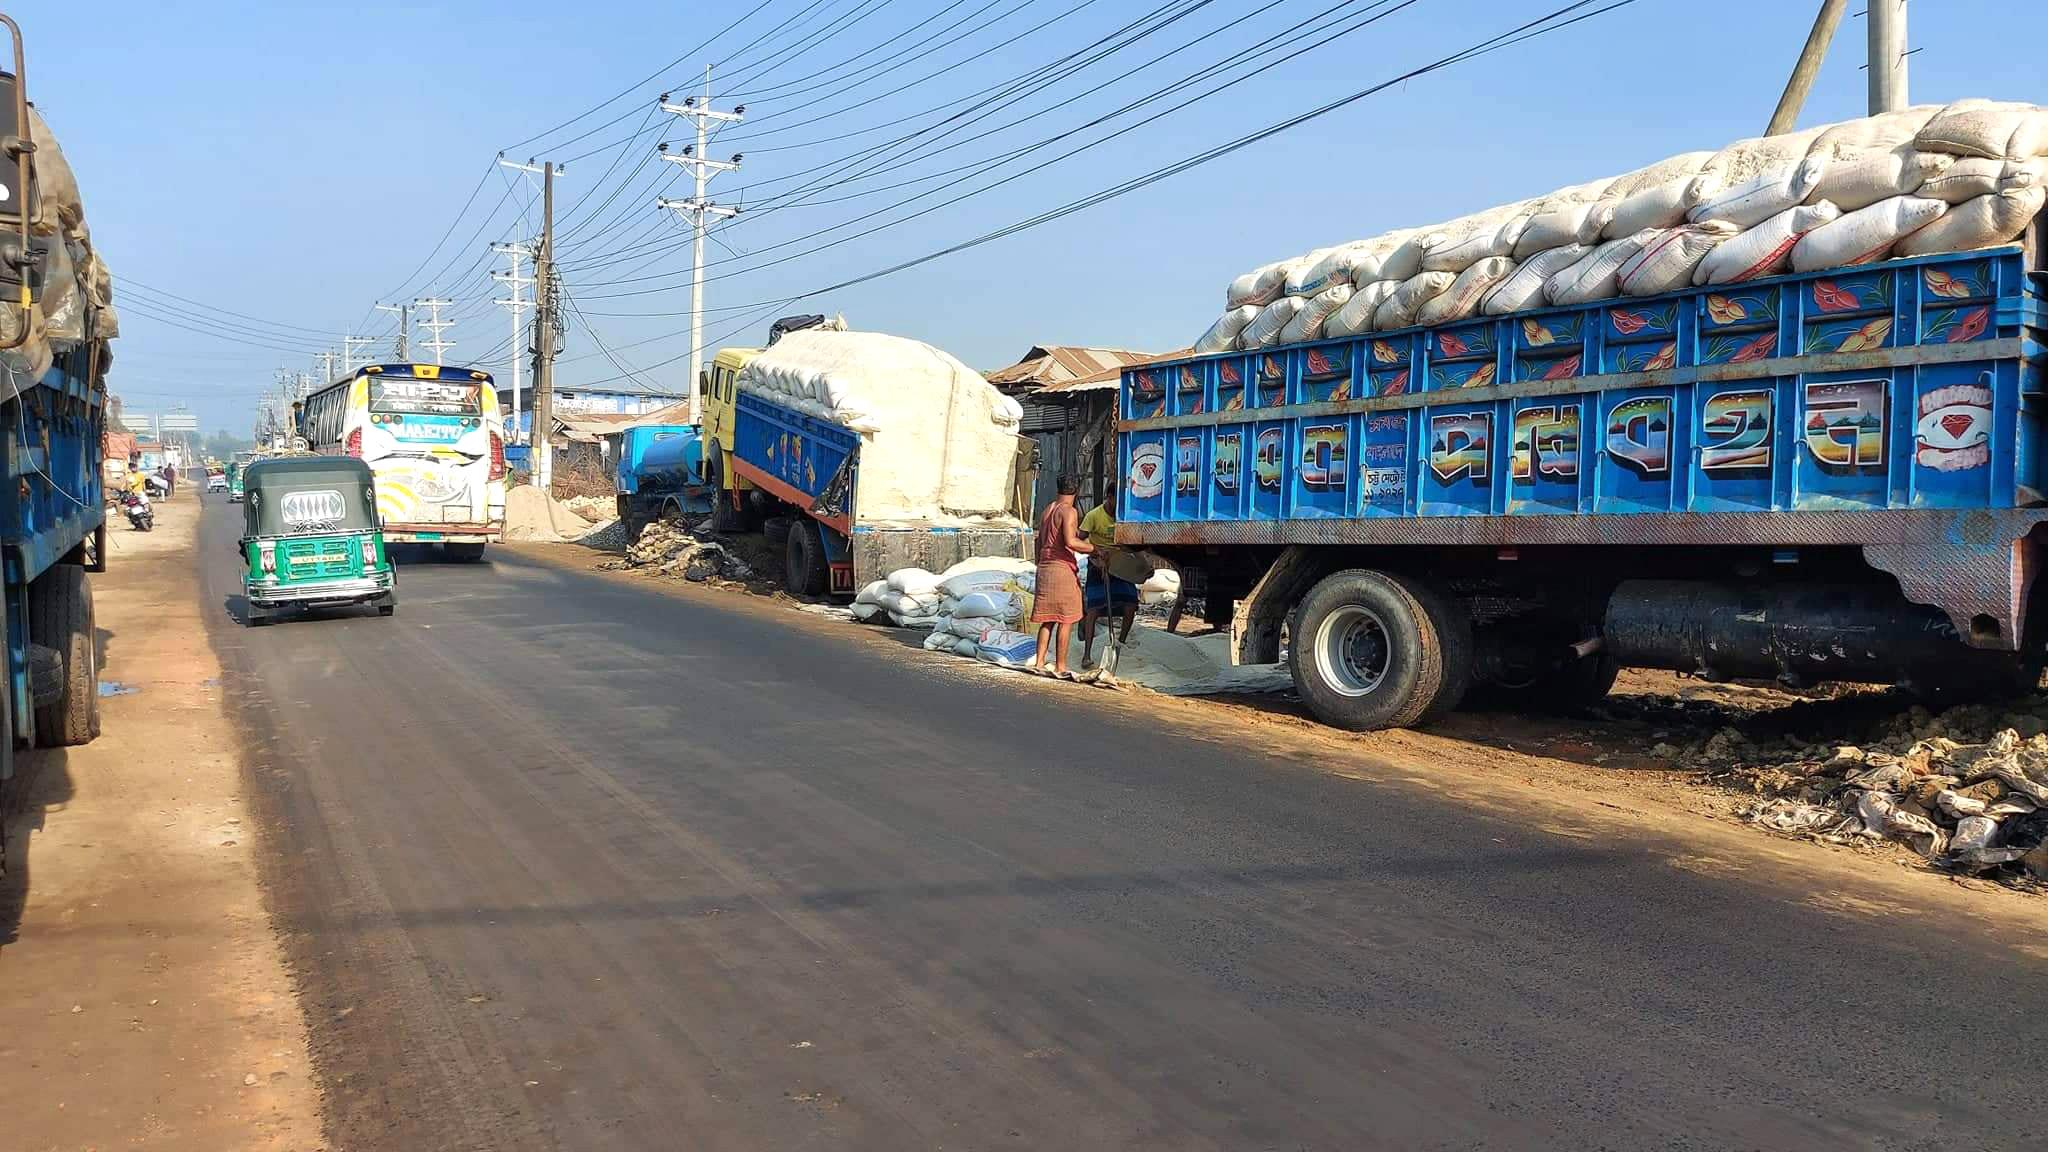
60	617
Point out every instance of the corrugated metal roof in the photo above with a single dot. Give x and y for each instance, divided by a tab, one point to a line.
607	423
1109	377
1049	364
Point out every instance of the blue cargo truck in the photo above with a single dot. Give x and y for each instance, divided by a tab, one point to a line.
1829	476
52	415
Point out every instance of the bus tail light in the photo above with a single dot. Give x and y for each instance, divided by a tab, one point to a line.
497	456
266	557
354	446
369	553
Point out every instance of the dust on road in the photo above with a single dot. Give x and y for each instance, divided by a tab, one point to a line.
145	1001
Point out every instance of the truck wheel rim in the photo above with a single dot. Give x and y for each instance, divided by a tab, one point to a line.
1352	650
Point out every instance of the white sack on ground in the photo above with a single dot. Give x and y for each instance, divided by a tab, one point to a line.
1667	262
1462	298
1756	200
1864	235
937	439
1764	250
1308	322
1524	288
1406	302
1853	182
1010	564
1264	330
1980	223
1222	335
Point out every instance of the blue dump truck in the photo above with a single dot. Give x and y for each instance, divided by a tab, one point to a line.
659	475
1829	476
55	324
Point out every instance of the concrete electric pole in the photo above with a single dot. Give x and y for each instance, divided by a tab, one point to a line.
1807	67
433	323
697	209
545	303
517	305
327	367
404	313
1887	62
349	344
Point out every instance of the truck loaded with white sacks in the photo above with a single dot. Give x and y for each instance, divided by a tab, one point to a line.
56	321
1771	411
861	453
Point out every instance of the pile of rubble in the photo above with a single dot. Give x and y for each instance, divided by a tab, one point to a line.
1967	789
676	550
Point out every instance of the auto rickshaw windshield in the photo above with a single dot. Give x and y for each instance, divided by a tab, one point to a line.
298	496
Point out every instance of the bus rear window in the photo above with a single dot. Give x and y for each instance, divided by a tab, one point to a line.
426	397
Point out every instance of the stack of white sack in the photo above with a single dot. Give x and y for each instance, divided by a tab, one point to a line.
909	597
1926	180
937	439
75	303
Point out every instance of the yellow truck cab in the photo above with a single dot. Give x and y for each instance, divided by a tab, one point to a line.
719	391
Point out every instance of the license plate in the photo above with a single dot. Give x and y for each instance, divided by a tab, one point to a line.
426	535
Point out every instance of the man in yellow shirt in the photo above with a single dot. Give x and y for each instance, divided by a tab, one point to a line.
1103	590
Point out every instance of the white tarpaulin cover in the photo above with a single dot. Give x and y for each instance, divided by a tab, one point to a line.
939	443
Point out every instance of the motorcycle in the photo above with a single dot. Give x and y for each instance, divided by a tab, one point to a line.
140	517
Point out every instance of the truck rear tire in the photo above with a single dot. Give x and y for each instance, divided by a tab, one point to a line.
1375	650
805	573
60	616
464	553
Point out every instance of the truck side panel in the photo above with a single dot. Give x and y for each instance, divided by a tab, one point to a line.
1904	386
801	460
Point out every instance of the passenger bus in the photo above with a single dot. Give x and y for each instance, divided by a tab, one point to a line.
436	442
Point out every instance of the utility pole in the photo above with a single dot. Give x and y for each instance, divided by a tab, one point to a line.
404	312
516	305
1807	67
544	304
1887	62
697	208
349	344
327	367
435	324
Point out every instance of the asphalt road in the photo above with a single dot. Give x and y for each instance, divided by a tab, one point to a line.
574	862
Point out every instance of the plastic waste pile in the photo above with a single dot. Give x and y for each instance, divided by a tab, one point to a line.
1925	180
1965	789
669	549
75	304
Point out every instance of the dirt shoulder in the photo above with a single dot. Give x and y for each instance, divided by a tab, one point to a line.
144	1001
1588	780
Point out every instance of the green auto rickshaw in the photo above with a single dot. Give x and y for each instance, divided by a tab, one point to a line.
235	491
311	538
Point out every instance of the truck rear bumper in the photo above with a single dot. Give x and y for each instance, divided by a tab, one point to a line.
429	533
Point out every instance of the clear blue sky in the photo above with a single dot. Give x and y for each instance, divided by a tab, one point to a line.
296	162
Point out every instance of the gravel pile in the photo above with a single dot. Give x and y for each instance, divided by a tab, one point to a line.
1967	789
679	551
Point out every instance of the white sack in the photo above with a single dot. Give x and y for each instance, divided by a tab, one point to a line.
1462	298
901	604
1764	250
1881	133
1666	263
58	208
1596	275
1260	286
974	627
987	605
1222	335
1332	269
1524	288
961	585
1264	330
913	582
1297	282
1745	160
1970	178
940	641
1758	199
1308	322
1659	206
1404	260
967	646
1578	224
1989	128
1865	234
1478	247
1356	316
1859	181
872	593
1984	222
1676	170
1401	307
926	621
976	564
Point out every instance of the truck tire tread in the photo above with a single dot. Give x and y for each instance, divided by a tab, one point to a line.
61	616
1424	668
